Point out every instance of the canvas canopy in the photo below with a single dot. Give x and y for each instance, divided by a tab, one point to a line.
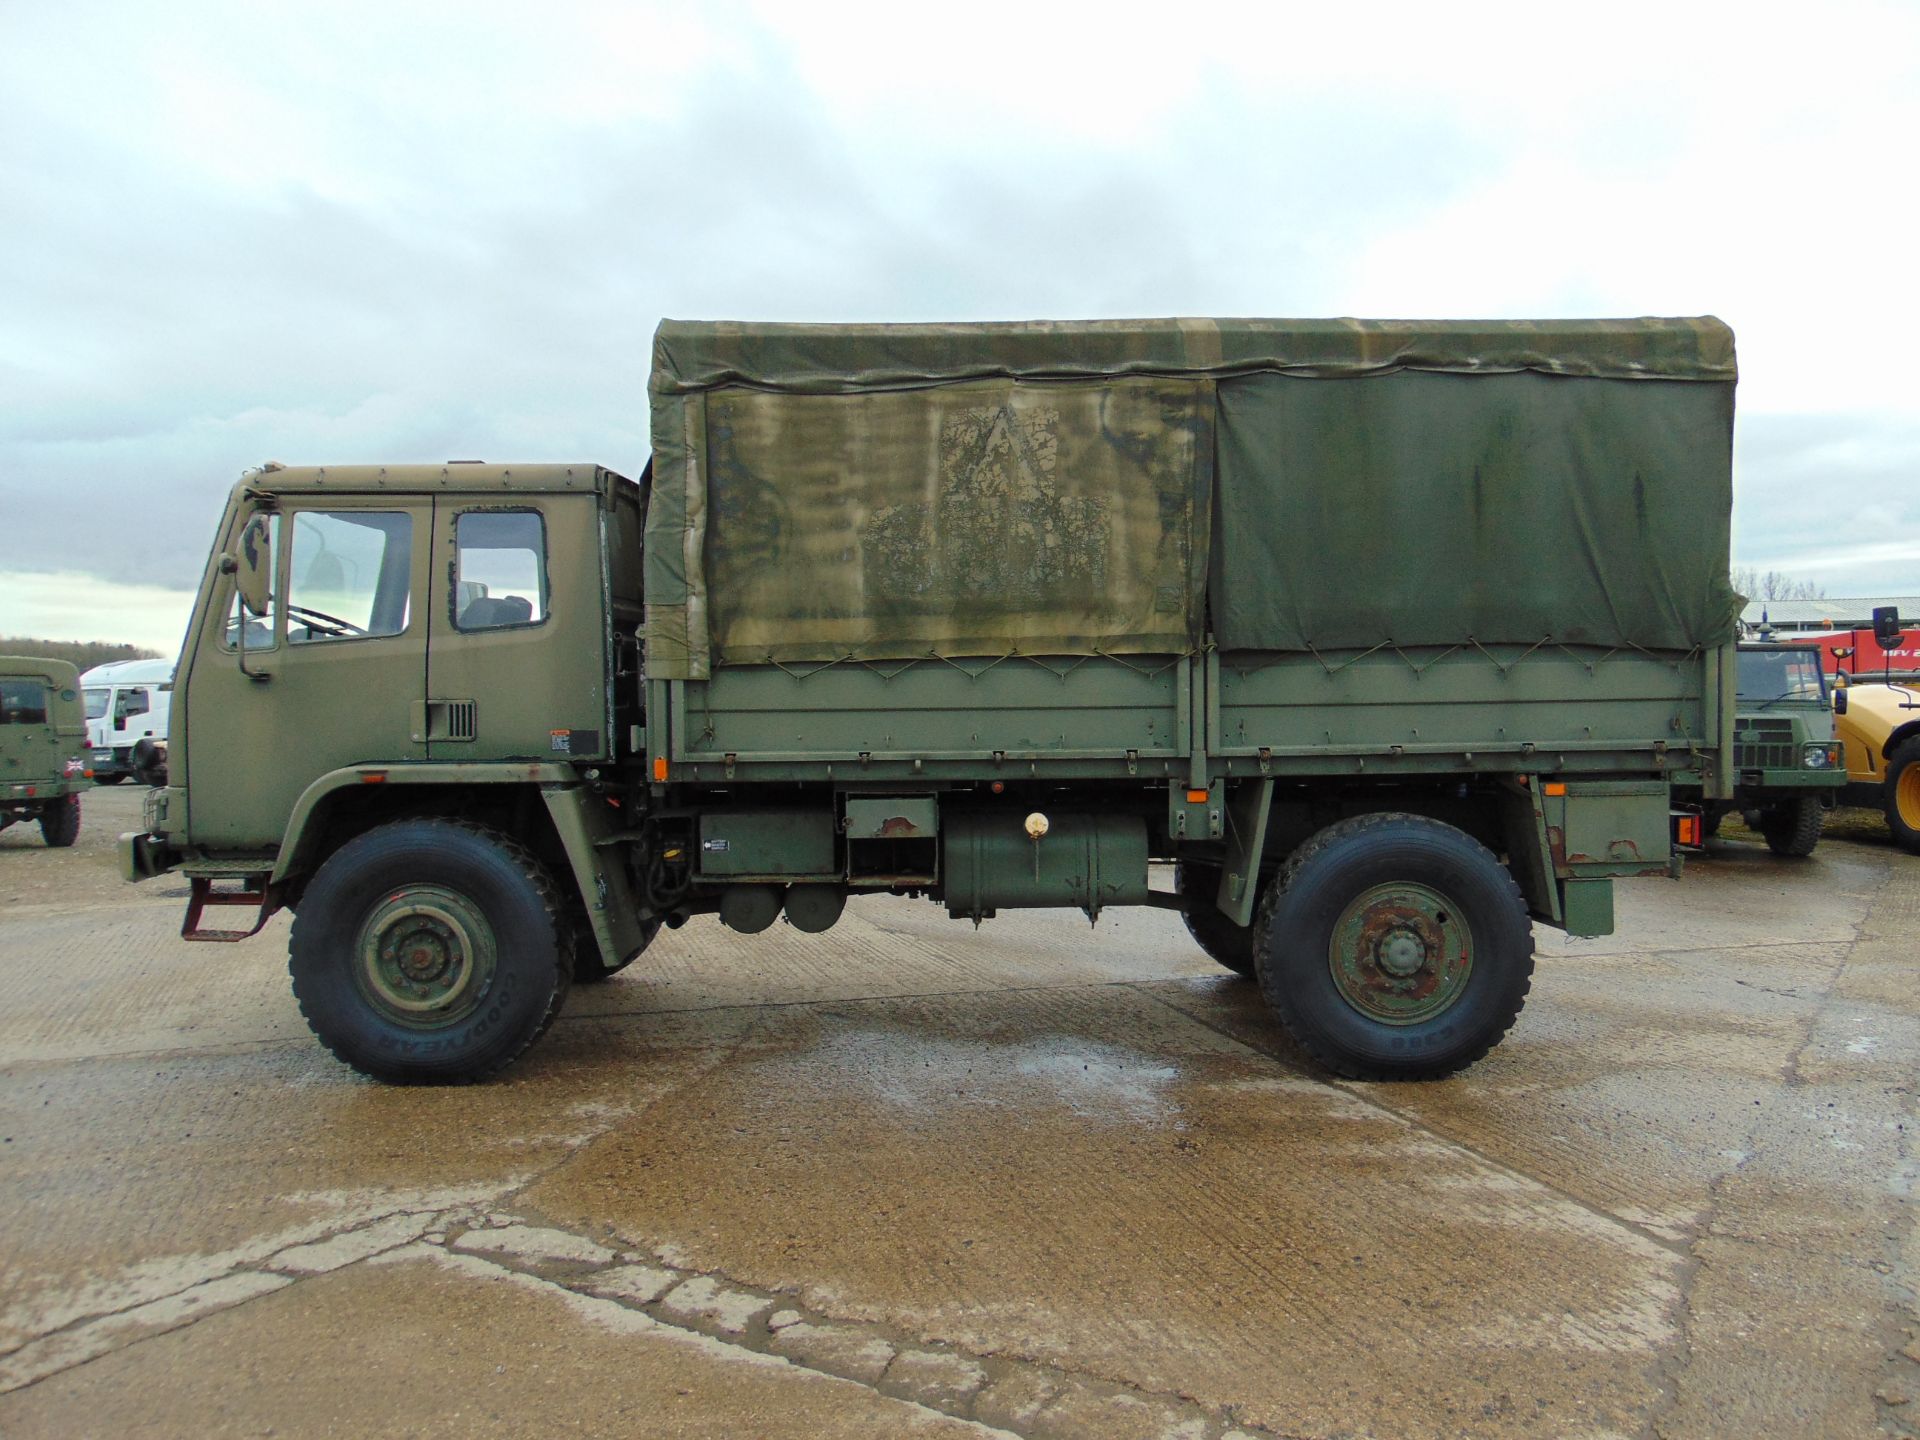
1129	487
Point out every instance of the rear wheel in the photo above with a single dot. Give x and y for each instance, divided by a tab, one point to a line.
1229	944
430	951
1903	794
1393	947
587	966
60	822
1793	828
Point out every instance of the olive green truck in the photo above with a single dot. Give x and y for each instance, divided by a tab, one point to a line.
1386	639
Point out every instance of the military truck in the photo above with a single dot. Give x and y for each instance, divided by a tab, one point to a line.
1787	765
1389	637
43	737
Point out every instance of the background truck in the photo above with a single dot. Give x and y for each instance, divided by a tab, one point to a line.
128	702
1786	763
1389	636
43	735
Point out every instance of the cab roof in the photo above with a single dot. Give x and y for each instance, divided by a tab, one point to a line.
41	667
453	475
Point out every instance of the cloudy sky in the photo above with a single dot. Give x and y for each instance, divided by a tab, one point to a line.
417	232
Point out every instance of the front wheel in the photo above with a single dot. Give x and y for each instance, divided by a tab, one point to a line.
1903	795
60	822
430	952
1393	947
1793	828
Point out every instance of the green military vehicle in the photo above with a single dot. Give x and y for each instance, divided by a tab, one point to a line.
43	744
1388	636
1788	767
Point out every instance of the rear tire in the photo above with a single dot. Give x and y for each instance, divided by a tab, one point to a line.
430	952
1793	828
1393	947
587	969
1903	795
1228	944
60	824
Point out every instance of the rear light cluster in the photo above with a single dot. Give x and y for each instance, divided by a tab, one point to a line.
1689	830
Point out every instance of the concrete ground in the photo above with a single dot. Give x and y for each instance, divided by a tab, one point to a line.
906	1179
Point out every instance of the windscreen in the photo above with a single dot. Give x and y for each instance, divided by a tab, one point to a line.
1769	676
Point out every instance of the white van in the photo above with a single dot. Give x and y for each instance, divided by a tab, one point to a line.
128	701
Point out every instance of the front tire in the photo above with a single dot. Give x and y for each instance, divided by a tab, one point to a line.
1393	947
60	822
1229	944
1902	793
430	952
1794	827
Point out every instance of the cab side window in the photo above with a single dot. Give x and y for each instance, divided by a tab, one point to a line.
500	575
350	575
23	702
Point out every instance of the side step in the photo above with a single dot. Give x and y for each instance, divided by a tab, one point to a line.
253	891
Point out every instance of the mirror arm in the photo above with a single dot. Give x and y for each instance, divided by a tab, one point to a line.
230	565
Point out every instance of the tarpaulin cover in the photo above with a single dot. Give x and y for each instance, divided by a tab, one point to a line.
896	491
1426	509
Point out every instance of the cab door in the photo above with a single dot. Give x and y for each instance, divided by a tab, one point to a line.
518	668
332	675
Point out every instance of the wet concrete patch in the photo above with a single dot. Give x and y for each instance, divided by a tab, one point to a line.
1095	1182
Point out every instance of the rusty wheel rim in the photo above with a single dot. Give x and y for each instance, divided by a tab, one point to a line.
425	957
1401	953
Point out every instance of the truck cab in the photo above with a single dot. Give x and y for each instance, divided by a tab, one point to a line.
1787	764
42	741
128	702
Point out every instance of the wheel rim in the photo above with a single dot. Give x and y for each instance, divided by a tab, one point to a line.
1906	796
1401	953
425	957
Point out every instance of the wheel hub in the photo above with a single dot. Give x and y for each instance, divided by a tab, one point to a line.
1401	953
425	956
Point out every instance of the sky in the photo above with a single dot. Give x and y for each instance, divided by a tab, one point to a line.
414	232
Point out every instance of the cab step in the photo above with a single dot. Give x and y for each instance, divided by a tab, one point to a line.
254	892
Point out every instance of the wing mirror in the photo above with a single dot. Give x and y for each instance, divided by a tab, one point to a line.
1840	700
253	566
1886	626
